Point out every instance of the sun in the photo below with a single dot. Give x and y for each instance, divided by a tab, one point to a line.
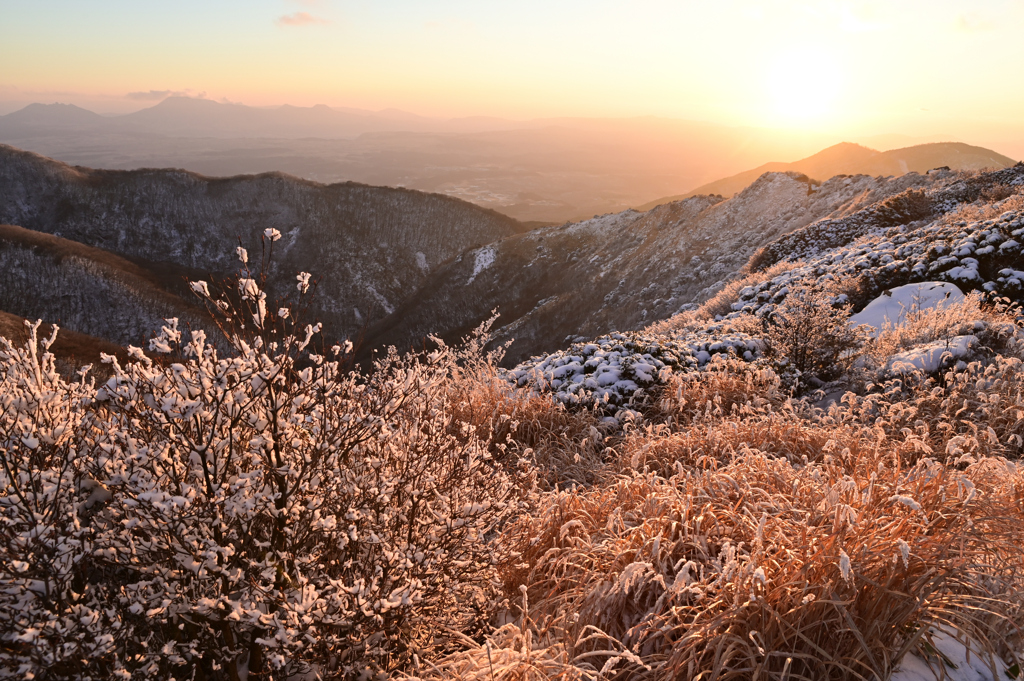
803	87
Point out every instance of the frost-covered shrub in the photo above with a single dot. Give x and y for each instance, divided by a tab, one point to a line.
258	511
620	370
809	337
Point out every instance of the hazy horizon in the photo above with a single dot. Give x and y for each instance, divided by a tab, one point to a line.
849	70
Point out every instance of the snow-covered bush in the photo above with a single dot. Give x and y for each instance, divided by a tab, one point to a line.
259	511
810	338
621	369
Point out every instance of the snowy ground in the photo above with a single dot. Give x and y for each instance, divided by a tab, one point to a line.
894	305
959	664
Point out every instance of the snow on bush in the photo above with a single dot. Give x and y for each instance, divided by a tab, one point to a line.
981	255
208	514
618	370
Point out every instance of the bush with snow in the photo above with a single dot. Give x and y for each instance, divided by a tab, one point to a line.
620	370
261	511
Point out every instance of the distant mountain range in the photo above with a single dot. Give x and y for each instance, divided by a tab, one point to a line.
548	170
106	253
192	117
854	159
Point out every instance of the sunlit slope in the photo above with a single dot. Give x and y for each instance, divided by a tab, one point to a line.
854	159
621	271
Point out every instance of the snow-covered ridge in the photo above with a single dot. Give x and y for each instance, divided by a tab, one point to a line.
902	209
907	267
983	255
625	270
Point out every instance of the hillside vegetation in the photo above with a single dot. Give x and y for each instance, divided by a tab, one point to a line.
758	488
92	291
397	265
626	270
377	243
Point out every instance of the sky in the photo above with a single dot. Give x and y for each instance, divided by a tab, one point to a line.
928	67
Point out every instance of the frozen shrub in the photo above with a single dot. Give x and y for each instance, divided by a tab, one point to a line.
809	337
625	371
258	511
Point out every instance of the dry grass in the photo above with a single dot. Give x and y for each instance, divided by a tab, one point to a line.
758	569
562	446
742	534
970	415
710	444
725	384
748	536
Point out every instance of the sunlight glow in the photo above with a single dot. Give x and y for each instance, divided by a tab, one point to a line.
847	67
803	86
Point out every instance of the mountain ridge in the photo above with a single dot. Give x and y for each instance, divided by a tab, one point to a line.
548	169
847	158
377	242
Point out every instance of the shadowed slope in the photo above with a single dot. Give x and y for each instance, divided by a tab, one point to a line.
376	244
84	289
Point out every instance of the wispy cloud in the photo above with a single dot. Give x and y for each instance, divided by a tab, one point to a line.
300	19
153	95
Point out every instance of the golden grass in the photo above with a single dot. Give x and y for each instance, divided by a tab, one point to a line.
563	446
724	385
745	535
758	569
974	413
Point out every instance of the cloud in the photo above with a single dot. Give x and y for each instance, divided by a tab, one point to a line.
299	19
154	95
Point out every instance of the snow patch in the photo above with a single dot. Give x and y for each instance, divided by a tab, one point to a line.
893	306
930	357
484	259
957	661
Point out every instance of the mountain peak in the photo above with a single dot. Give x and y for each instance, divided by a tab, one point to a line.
52	114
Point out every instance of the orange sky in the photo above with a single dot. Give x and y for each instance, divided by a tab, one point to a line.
847	68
